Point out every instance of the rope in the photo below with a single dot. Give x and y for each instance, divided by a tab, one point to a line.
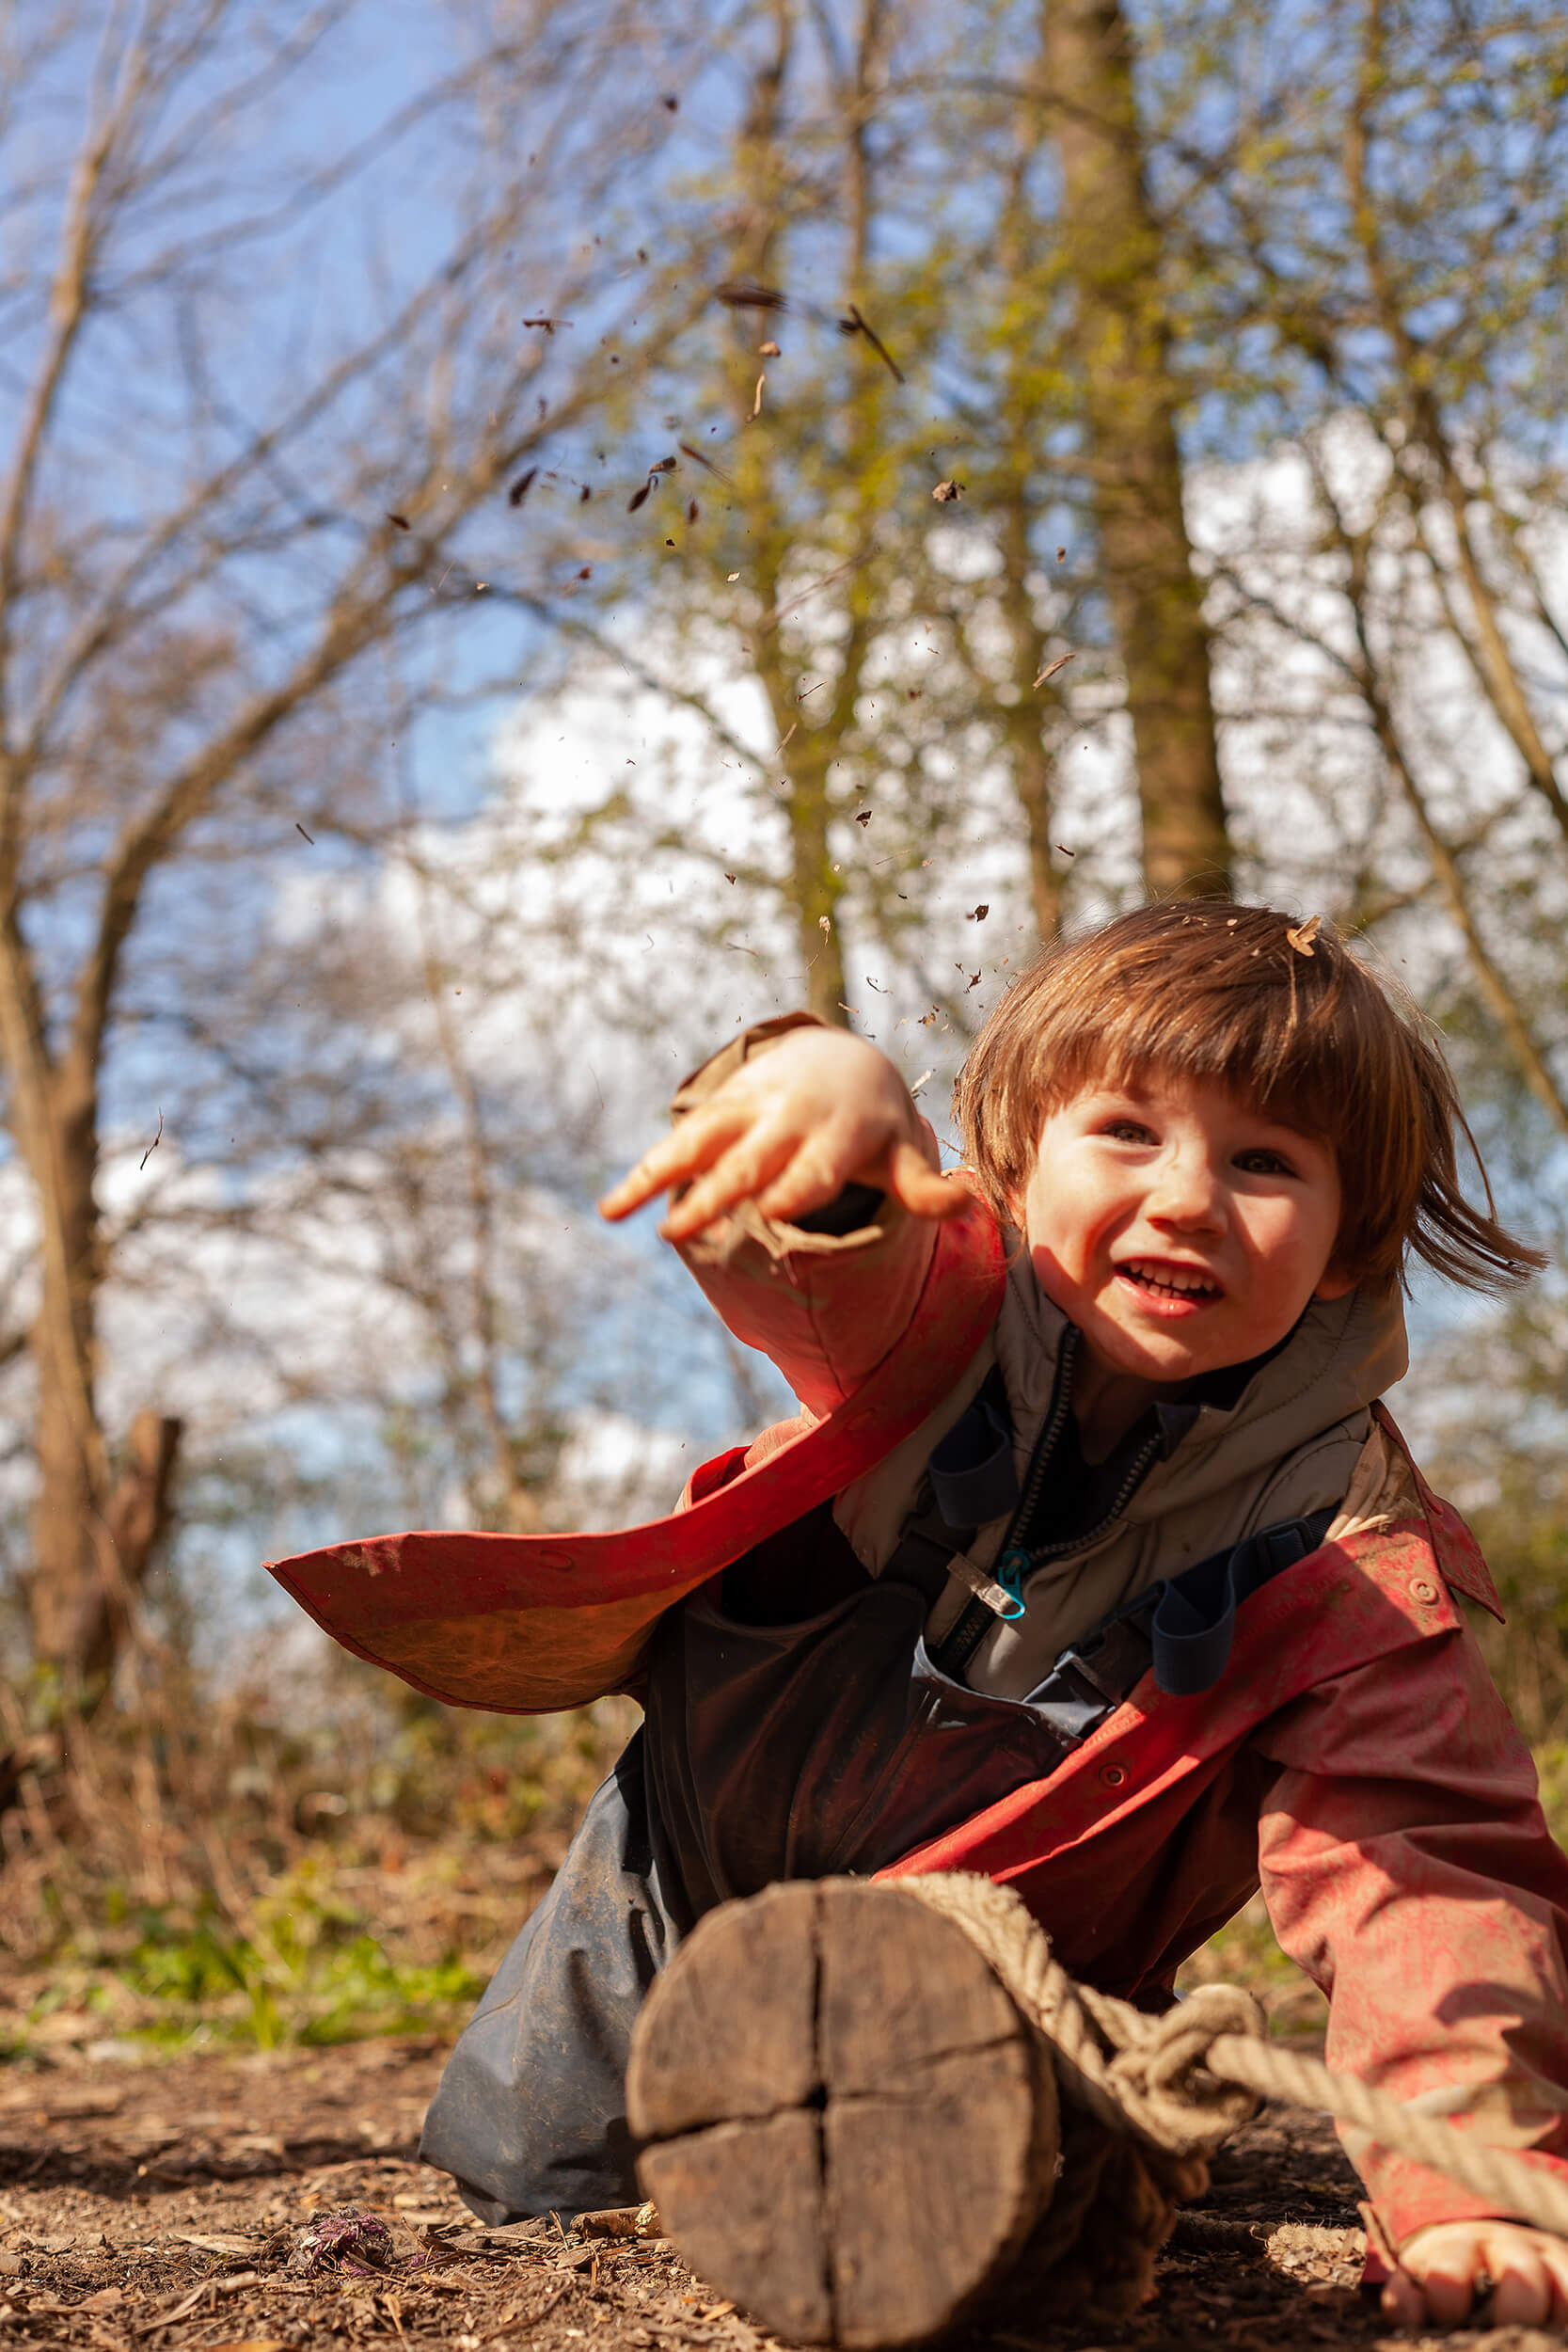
1505	2180
1183	2081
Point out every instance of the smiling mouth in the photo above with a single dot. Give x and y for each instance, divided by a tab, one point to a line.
1169	1281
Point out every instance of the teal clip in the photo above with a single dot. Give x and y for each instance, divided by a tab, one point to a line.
1009	1572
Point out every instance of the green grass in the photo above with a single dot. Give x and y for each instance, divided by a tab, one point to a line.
313	1973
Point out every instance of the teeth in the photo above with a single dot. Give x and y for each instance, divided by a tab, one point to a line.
1168	1277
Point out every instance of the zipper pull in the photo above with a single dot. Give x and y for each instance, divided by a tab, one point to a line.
1009	1572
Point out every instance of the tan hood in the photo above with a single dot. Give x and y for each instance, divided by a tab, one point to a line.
1288	1447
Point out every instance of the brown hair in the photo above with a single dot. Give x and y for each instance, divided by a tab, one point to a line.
1289	1018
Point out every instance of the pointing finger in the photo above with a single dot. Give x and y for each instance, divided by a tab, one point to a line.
737	1175
694	1145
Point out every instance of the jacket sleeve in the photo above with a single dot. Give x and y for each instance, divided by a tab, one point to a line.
1407	1867
825	1305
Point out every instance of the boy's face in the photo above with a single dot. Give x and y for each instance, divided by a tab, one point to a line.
1181	1229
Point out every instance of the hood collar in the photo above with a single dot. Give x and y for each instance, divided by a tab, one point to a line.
1342	1355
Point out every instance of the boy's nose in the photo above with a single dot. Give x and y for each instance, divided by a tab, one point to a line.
1186	1191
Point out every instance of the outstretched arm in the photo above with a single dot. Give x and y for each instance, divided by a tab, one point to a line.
788	1132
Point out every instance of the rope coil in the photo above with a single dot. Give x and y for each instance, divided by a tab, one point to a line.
1183	2082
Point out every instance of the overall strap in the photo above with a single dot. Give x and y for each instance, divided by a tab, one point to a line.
1181	1628
969	1478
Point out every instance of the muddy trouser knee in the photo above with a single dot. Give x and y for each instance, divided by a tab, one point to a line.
529	2116
769	1752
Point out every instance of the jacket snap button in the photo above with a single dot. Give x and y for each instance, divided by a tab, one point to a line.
1113	1775
1422	1590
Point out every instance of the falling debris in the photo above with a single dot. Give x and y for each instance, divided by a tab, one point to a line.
857	324
1052	667
639	498
153	1145
925	1073
740	294
824	924
521	488
549	325
1301	940
773	618
979	914
1064	851
698	459
1061	555
309	837
400	521
948	493
692	510
862	815
769	350
756	401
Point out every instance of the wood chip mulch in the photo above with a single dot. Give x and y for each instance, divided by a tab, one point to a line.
273	2203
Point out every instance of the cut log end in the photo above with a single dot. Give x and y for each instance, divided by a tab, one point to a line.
847	2125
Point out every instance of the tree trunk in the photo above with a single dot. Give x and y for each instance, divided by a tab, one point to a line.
814	887
134	1522
93	1535
1031	756
1111	243
59	1141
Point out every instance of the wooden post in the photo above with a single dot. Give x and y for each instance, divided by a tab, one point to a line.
847	2124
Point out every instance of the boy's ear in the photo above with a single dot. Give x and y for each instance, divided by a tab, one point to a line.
1335	1280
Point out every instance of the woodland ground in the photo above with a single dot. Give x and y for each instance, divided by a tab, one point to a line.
163	2204
220	2023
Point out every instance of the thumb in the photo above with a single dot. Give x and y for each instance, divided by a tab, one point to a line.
918	1187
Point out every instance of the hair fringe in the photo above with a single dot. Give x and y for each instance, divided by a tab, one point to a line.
1217	990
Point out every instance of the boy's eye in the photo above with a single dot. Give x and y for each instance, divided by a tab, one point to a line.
1127	1131
1264	1163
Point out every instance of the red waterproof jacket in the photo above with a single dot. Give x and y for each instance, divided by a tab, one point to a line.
1354	1759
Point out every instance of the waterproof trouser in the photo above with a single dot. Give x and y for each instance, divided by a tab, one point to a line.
770	1751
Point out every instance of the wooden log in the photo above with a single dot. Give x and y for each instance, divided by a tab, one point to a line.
847	2125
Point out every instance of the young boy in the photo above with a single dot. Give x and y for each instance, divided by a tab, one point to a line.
1212	1142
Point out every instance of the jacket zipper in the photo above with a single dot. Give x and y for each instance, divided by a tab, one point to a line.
1016	1560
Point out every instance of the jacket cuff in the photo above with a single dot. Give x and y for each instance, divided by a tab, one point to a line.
1409	2197
709	1076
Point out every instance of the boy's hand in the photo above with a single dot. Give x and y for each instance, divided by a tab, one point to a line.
1440	2267
789	1130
